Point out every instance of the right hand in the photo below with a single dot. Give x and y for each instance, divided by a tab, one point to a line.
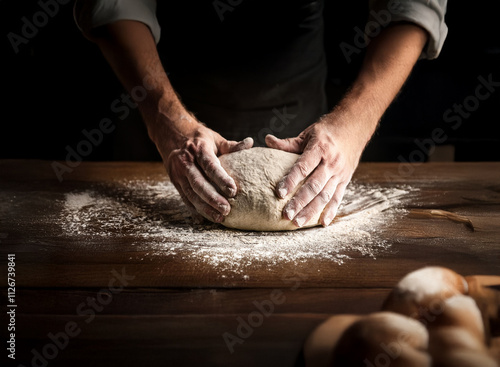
196	172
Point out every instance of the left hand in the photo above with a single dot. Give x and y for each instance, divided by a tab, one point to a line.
330	154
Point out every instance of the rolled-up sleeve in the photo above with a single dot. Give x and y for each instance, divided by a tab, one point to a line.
428	14
90	14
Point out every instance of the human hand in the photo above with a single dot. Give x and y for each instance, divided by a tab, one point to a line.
330	152
194	169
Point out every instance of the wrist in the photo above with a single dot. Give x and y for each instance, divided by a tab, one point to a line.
169	124
356	116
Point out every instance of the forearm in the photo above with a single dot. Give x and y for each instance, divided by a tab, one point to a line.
189	149
332	147
129	48
388	62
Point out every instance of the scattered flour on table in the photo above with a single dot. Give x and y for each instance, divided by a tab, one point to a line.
154	217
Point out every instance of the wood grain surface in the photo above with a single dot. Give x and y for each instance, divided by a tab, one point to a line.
169	311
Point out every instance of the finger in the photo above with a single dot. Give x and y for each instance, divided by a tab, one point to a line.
317	204
292	145
229	146
302	168
210	164
331	208
313	186
205	190
197	217
183	196
201	206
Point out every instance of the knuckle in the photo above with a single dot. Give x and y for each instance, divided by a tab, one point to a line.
325	197
314	186
339	193
290	182
333	164
303	168
209	165
334	201
197	183
323	148
190	146
199	151
180	157
297	203
211	199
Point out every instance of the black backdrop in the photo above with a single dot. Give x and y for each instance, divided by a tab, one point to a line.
58	84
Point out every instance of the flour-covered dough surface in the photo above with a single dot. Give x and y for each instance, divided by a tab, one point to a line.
256	172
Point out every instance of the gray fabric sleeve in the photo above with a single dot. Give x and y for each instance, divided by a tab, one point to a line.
90	14
428	14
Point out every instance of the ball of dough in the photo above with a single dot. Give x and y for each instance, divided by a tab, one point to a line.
256	172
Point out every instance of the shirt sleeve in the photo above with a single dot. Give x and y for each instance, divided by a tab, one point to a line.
90	14
428	14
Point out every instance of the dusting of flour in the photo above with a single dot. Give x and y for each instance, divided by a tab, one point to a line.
154	217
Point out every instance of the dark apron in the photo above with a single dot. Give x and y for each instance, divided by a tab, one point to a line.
256	69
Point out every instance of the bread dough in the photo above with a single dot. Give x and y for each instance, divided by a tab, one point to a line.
256	172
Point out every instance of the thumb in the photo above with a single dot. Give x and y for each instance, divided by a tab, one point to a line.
292	145
230	146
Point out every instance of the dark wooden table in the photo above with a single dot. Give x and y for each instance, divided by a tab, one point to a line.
103	302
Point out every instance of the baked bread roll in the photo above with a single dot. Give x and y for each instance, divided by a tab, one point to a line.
421	293
377	339
456	336
433	317
437	298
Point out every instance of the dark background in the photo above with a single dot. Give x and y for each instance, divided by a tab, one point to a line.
59	83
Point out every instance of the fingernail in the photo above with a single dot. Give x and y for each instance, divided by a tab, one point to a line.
329	218
290	213
247	141
270	136
300	221
225	209
231	192
282	193
218	218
